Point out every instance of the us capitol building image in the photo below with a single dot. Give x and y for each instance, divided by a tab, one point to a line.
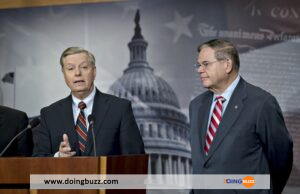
163	126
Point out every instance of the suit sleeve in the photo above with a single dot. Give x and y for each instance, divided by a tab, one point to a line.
41	138
24	142
276	142
130	138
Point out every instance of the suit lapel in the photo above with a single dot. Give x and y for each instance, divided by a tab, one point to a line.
69	126
100	107
230	115
203	114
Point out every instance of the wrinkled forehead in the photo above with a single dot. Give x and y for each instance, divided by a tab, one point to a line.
76	58
206	53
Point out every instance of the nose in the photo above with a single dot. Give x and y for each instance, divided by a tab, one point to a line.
200	69
77	71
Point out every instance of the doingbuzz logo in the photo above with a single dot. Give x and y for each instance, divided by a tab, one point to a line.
248	181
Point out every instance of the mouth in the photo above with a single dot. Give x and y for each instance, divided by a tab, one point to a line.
78	82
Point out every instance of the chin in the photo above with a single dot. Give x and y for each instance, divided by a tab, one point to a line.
206	85
79	91
79	88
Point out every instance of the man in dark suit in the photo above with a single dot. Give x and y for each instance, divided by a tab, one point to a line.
236	128
65	130
11	123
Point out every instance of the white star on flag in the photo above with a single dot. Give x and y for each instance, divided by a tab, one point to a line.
180	26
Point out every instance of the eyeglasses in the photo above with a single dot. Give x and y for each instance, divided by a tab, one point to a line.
204	64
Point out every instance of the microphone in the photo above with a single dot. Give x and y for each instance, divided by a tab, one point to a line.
31	125
91	120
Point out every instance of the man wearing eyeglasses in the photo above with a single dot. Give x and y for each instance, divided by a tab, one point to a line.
236	128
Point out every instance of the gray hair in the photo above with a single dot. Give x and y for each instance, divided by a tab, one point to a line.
223	50
76	50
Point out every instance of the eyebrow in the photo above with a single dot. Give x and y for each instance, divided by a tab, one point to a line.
71	64
204	61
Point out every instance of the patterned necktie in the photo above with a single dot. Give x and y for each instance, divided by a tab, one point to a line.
214	123
81	127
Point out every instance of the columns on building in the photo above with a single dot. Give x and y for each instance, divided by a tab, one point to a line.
158	165
170	164
149	164
187	166
179	165
165	164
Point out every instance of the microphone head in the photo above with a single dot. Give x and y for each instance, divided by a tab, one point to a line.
91	119
34	123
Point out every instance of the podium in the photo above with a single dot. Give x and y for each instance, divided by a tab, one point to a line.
15	172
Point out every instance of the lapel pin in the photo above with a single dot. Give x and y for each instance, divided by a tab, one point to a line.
236	107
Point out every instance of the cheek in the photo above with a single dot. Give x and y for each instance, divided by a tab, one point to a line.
68	78
90	77
210	74
219	75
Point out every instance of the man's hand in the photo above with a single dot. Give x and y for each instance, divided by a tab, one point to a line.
64	148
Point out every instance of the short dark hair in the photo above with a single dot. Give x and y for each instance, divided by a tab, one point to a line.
223	50
76	50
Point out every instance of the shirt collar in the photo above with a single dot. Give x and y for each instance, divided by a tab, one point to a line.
228	92
87	100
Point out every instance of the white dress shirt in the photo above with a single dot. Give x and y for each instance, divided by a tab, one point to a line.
226	94
89	102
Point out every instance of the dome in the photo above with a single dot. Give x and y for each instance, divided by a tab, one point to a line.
162	125
139	83
143	85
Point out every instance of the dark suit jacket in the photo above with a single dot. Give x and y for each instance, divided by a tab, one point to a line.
251	139
115	128
11	123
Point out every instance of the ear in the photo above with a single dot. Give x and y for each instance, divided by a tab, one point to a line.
95	72
228	65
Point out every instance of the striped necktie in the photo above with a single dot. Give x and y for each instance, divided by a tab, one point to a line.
214	123
81	127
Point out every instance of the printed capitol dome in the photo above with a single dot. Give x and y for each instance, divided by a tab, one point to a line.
155	106
139	83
